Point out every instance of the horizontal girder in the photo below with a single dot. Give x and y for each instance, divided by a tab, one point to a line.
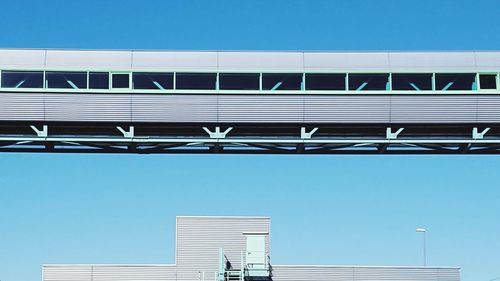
246	139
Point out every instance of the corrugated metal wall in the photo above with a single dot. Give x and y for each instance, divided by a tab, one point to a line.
363	273
180	108
108	272
280	273
199	240
381	109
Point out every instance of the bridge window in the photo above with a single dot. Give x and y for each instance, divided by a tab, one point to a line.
318	81
120	80
369	82
22	79
283	81
488	81
456	81
99	80
239	81
66	80
412	82
153	81
196	81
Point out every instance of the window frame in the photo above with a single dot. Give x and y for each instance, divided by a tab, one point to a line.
443	91
258	74
187	90
478	81
388	82
282	72
345	81
20	71
46	80
112	73
132	86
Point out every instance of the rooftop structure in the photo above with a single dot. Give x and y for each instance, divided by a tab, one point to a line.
236	249
249	102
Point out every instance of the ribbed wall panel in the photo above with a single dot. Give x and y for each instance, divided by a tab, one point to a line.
199	240
363	273
21	106
67	273
280	273
346	109
261	108
178	108
488	109
133	273
434	109
381	109
108	272
87	107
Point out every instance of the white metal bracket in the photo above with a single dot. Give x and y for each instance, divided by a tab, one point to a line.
217	134
43	133
127	134
479	135
393	135
307	135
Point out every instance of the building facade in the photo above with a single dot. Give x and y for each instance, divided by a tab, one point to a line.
217	248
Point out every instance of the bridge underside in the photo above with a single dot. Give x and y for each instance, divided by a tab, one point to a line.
223	138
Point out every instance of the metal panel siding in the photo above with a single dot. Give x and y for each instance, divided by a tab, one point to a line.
434	109
347	61
199	240
363	273
449	274
346	109
488	109
67	273
133	273
21	106
261	60
280	273
89	59
22	58
108	272
88	107
487	60
178	108
250	108
261	108
192	60
432	60
249	60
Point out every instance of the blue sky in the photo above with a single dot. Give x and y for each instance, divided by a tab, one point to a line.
332	209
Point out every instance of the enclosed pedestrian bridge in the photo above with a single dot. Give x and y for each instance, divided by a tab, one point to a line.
249	102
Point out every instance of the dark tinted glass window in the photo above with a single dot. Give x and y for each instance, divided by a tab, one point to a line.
281	81
65	80
120	81
196	81
368	82
325	81
488	81
22	79
459	81
153	81
412	81
98	80
239	81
